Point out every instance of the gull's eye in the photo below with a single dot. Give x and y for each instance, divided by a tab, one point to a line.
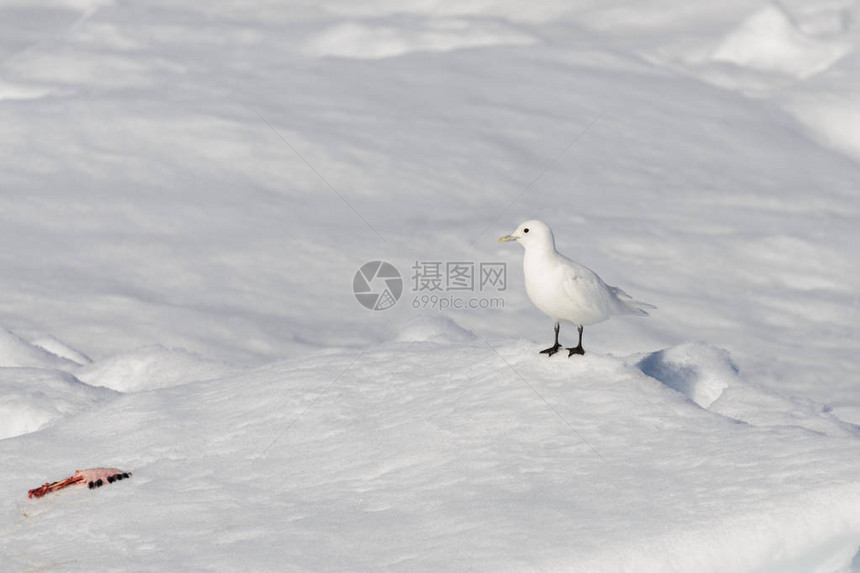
525	230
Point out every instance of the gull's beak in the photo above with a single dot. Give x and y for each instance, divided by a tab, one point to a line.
507	238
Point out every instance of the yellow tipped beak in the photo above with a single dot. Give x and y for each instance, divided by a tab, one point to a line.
507	238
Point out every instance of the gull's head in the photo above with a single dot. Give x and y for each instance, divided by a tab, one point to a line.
530	234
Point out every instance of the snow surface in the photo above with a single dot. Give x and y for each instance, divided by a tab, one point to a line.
434	455
189	188
151	367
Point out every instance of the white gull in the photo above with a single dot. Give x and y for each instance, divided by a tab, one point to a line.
565	290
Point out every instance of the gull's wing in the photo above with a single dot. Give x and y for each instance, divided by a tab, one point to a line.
594	296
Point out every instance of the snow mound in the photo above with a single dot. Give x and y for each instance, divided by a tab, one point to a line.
61	349
769	41
16	92
151	367
436	328
698	371
31	399
461	457
832	118
708	377
17	352
366	41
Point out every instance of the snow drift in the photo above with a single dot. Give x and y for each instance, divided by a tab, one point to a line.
31	399
151	367
448	456
210	176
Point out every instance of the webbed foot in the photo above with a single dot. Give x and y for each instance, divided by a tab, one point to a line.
551	350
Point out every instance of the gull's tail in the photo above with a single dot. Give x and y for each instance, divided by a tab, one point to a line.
629	305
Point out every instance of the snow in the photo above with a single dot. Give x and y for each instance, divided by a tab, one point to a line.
189	189
352	40
708	377
436	455
17	352
59	348
151	367
769	41
33	398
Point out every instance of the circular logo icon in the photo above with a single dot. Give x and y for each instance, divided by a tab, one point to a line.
377	285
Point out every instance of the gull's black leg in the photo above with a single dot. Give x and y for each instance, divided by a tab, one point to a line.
554	348
578	348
